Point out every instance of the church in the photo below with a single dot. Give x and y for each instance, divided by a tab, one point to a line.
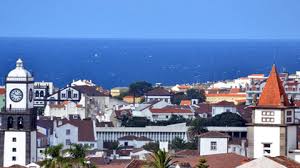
18	119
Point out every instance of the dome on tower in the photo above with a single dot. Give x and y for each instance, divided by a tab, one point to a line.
19	73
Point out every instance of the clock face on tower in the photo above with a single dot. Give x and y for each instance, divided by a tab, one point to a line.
16	95
30	95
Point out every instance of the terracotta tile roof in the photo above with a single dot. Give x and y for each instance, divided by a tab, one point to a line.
245	112
273	94
203	108
104	124
213	134
185	102
136	164
2	91
187	152
159	91
228	160
85	128
170	109
223	104
227	95
285	161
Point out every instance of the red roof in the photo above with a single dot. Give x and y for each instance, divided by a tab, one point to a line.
159	91
213	134
85	128
2	91
185	102
223	104
170	109
273	94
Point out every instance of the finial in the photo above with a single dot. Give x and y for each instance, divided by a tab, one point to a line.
19	63
292	101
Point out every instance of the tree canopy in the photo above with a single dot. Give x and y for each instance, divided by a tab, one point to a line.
139	88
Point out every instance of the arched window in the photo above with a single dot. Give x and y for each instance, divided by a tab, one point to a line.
10	122
20	123
42	94
37	94
69	94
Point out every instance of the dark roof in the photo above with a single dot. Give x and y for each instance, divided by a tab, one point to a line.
99	160
85	128
104	124
90	90
203	108
159	91
45	122
223	104
132	137
172	109
213	134
285	161
245	112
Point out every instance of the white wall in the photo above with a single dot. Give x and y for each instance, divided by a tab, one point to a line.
291	138
220	110
205	144
159	98
17	105
20	146
33	147
61	137
277	116
266	135
134	143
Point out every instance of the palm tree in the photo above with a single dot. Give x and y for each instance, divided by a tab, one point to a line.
54	157
161	159
78	153
202	163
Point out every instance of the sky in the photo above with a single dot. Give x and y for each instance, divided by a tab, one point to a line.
197	19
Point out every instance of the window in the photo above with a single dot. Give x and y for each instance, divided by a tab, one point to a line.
166	100
14	139
37	94
14	149
20	123
125	143
42	94
267	149
68	132
213	145
289	116
75	95
69	94
41	151
13	158
228	110
267	119
10	122
63	95
68	142
92	145
267	113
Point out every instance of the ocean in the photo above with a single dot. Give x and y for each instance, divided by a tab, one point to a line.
119	62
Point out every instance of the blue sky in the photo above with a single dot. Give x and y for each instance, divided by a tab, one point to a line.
199	19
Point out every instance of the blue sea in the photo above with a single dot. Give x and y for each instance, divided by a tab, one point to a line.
118	62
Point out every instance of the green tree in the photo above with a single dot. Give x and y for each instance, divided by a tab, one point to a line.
227	119
54	158
176	99
152	146
78	153
198	126
202	163
161	159
139	88
196	94
178	144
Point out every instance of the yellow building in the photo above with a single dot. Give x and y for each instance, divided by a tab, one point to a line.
117	91
129	99
236	98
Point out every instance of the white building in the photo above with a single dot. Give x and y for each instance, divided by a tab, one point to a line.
134	141
158	94
41	91
82	83
213	143
222	107
18	121
165	113
68	131
273	131
64	109
156	133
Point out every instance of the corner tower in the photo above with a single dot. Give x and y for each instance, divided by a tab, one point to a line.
18	119
273	131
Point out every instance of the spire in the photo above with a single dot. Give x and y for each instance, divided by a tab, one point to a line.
273	94
19	63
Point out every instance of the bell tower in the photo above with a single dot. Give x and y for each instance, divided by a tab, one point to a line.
273	131
18	119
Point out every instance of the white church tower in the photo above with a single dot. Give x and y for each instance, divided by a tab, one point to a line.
273	131
18	119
